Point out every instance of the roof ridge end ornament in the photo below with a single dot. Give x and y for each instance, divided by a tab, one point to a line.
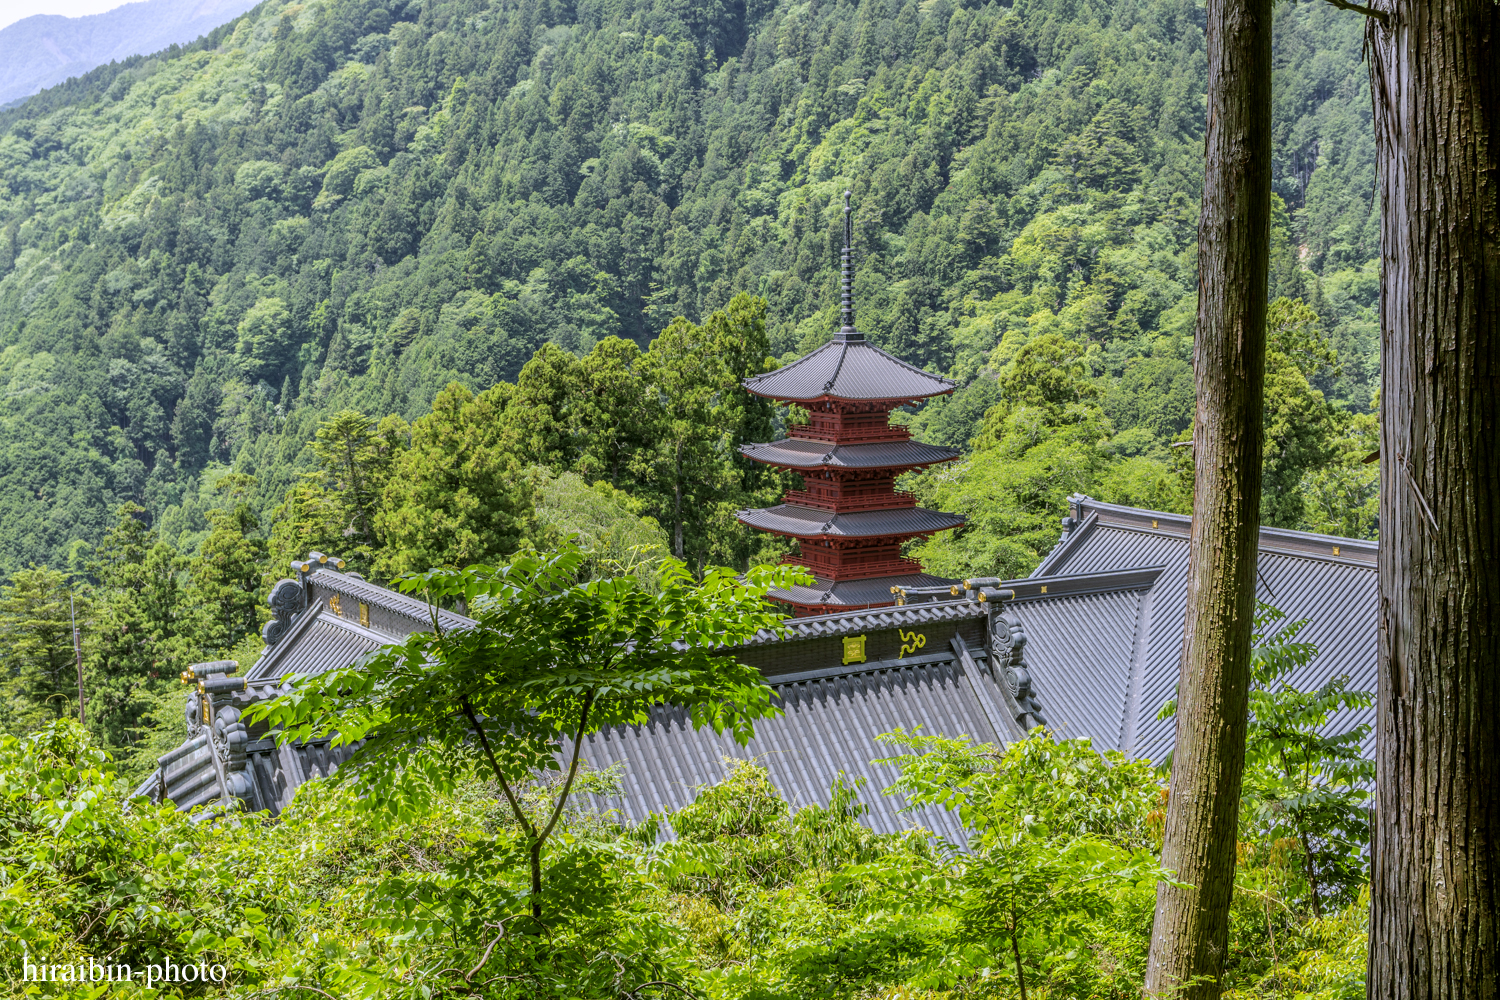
847	332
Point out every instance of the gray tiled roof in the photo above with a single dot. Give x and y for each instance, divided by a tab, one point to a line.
809	522
1330	581
415	611
801	453
848	369
852	622
829	726
319	639
1103	616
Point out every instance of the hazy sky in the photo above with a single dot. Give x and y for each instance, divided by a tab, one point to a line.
13	10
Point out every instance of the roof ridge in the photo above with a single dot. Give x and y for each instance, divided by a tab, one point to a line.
791	364
1284	541
838	367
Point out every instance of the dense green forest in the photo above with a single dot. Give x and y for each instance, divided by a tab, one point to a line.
350	204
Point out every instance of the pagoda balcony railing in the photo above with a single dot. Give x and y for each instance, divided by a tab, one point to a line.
849	435
890	500
858	571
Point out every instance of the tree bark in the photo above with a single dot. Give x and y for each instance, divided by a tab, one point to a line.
1190	934
1435	78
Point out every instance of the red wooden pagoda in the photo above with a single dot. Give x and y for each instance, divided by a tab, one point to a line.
850	521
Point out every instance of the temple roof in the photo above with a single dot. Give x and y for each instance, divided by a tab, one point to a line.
801	453
1328	580
848	367
1102	615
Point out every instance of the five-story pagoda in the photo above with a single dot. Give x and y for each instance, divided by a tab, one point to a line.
850	522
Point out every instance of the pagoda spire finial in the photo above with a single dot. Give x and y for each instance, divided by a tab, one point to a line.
846	280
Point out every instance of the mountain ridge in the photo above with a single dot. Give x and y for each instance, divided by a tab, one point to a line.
43	50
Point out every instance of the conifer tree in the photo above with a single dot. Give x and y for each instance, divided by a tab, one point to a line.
36	649
1189	939
228	575
1435	911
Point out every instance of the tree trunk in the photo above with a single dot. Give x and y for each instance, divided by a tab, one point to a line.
1015	950
536	879
677	548
1191	930
1435	77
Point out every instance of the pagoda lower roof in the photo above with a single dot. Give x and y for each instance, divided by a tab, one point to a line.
801	453
848	367
856	593
809	522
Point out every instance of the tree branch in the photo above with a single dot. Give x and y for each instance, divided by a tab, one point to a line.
562	799
510	797
1370	12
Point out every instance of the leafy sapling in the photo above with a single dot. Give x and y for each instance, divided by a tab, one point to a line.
547	661
1054	828
1305	783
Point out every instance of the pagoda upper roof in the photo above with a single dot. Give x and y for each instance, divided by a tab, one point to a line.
848	367
802	453
809	522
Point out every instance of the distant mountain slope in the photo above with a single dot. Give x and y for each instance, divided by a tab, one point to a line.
39	51
351	203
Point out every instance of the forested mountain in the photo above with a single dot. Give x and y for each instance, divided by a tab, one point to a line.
45	49
348	204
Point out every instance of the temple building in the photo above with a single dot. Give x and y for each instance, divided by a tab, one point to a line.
849	520
1088	644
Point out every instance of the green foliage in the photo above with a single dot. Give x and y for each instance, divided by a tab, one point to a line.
748	902
1302	782
606	523
457	495
1056	829
355	455
1043	441
143	629
228	575
1300	424
36	636
547	659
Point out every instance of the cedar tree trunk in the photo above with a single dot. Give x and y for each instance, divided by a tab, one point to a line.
1435	77
1191	930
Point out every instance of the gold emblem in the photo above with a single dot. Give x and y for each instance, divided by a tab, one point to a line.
1335	550
364	614
333	605
1044	588
854	649
911	641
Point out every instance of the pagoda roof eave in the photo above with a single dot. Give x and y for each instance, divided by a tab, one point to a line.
831	398
851	369
848	595
806	454
793	521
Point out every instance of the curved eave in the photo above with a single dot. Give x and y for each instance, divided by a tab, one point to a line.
826	397
799	455
848	368
808	523
858	594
